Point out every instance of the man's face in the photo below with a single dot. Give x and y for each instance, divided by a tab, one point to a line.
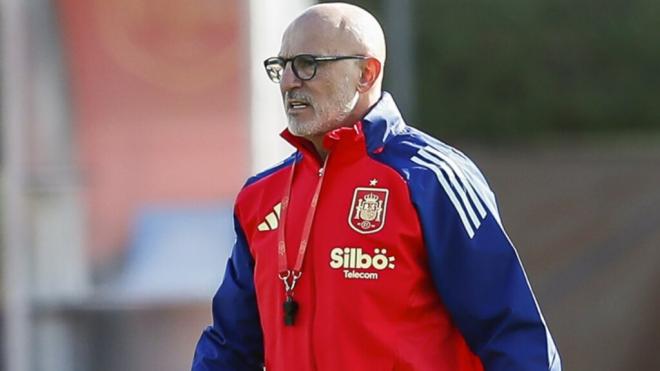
319	105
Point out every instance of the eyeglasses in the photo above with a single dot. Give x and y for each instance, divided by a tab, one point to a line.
303	65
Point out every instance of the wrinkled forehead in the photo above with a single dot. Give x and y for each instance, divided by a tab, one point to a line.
318	37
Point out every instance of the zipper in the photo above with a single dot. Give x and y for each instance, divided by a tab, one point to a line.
321	173
313	322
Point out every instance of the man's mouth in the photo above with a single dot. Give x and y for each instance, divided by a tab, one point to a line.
295	104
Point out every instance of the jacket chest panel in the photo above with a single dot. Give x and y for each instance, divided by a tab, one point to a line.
365	238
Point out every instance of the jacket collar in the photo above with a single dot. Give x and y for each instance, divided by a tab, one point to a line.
381	123
376	128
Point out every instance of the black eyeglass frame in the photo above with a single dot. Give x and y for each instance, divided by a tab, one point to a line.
313	58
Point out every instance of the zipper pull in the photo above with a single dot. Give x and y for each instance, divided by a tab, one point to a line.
321	170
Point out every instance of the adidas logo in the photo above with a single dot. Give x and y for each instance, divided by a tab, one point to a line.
272	220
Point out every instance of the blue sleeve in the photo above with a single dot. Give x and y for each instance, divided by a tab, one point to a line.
235	341
475	267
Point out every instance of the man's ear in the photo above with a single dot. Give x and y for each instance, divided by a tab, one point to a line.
370	72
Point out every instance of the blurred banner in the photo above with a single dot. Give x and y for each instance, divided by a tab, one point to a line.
155	87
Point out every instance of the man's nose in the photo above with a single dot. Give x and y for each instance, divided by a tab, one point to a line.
289	79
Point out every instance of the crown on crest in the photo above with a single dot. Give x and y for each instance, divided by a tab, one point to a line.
371	198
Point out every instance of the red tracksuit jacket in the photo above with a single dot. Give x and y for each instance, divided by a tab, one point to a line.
407	266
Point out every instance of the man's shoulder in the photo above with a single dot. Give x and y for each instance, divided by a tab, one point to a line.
414	152
262	192
263	175
432	168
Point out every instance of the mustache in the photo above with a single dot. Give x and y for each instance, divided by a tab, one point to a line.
298	96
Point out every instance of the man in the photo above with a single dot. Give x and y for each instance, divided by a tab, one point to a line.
374	246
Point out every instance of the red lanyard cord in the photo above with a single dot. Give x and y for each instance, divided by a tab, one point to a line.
290	276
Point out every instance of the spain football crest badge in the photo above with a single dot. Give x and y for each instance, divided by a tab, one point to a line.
368	209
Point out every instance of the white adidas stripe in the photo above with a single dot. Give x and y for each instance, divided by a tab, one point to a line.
449	191
461	175
451	173
454	180
475	178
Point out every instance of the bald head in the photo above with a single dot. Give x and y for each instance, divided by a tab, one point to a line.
338	28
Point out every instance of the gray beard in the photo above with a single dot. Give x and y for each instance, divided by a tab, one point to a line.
326	118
